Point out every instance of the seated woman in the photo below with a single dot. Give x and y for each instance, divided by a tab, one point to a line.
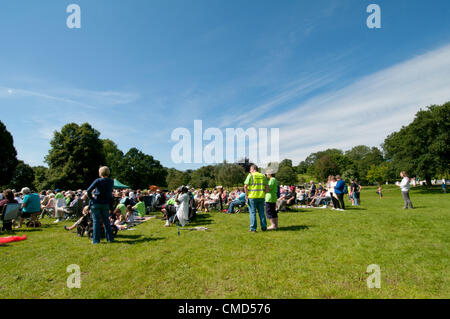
213	200
319	198
301	197
240	200
286	200
31	207
48	208
8	198
200	200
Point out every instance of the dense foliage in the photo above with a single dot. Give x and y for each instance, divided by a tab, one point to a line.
8	155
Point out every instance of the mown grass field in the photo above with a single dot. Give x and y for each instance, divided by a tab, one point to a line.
317	253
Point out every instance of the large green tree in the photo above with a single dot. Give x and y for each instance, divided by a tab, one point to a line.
324	167
423	147
377	174
362	158
8	155
113	156
176	178
41	178
229	175
23	177
139	170
204	177
328	162
75	156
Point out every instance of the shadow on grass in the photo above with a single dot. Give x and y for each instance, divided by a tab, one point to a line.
134	239
435	190
354	208
203	219
25	229
293	228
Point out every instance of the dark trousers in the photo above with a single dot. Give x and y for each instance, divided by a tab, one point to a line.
100	213
341	200
334	201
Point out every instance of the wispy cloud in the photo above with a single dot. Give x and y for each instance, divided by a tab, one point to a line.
85	98
366	111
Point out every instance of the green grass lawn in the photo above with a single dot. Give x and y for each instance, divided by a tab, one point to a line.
317	253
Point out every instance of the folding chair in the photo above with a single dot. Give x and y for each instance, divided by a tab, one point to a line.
60	204
10	212
148	200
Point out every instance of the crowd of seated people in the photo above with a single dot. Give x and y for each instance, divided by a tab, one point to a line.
130	205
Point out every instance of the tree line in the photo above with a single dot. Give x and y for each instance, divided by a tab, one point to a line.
77	151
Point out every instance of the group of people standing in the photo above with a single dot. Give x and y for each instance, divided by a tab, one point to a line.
261	193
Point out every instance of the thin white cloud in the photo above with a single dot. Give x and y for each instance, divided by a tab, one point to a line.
86	98
366	111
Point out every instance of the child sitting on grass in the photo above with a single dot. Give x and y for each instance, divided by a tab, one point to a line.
86	212
119	221
129	218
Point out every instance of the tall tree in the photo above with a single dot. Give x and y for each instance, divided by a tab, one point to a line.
286	175
230	174
41	178
204	177
8	155
23	177
363	157
423	147
377	174
113	156
139	170
324	167
328	162
176	178
75	156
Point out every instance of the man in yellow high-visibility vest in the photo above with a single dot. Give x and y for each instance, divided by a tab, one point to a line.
256	187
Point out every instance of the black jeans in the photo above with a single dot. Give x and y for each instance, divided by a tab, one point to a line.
341	200
334	201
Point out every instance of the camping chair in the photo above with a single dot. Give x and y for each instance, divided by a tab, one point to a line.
148	200
10	212
76	210
60	205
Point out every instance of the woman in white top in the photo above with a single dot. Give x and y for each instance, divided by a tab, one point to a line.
330	185
182	200
404	187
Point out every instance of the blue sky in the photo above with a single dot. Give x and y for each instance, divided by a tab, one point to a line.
137	70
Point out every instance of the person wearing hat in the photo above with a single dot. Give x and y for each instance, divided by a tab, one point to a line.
271	200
